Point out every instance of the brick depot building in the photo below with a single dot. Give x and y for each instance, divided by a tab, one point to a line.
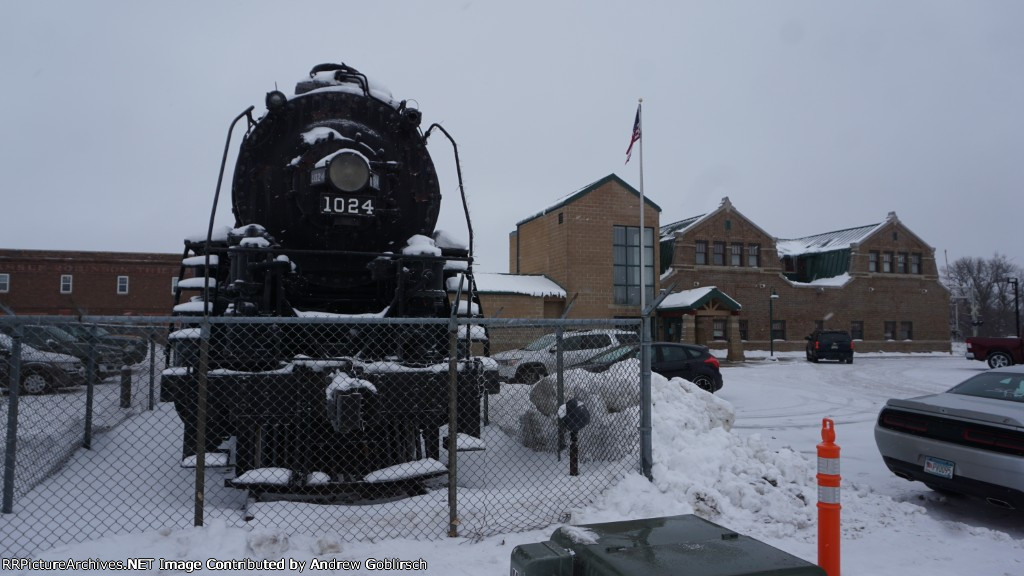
94	283
879	281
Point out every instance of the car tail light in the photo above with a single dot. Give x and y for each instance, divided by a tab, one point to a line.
903	422
851	345
713	361
817	345
994	440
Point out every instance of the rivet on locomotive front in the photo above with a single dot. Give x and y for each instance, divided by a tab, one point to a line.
335	199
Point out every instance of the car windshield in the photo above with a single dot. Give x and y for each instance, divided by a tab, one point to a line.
996	385
58	334
614	355
541	343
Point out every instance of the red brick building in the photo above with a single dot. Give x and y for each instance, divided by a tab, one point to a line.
93	283
879	281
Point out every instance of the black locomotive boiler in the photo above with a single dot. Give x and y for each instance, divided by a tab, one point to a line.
335	199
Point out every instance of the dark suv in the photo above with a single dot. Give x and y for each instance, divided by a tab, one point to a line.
830	345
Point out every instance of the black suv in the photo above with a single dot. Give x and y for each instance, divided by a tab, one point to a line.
830	345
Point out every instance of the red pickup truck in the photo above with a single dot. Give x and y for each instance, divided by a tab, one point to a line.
998	352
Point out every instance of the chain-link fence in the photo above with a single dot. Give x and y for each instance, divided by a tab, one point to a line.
333	425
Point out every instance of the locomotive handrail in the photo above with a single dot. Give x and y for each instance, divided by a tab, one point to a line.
216	198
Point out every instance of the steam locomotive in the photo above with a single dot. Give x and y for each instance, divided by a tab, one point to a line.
335	199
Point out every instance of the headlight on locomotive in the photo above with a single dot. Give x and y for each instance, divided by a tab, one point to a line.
349	171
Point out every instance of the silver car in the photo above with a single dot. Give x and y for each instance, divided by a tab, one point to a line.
968	440
539	358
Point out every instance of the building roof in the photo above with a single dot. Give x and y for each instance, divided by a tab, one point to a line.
587	190
669	230
497	283
697	297
826	241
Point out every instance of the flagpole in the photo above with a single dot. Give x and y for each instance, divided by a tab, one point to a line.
643	235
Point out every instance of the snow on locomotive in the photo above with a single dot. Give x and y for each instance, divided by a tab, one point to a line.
336	199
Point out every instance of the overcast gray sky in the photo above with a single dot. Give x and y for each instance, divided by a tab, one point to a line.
810	115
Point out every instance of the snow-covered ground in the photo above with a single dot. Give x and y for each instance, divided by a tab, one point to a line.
743	458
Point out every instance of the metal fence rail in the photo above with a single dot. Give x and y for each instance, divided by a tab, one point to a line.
318	424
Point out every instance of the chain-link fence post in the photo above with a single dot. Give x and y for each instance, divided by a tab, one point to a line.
453	429
152	370
646	425
90	394
559	387
13	390
204	362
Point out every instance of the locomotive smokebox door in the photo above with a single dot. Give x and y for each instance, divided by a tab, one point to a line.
679	545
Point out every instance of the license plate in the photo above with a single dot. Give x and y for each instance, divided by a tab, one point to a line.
938	467
347	205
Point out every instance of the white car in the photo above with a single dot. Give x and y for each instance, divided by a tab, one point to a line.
538	358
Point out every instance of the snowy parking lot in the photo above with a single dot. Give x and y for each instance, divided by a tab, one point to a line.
743	458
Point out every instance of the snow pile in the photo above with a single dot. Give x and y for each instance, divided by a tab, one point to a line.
701	467
420	245
342	383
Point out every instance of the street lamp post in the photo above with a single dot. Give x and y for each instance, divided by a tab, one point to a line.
771	323
1016	302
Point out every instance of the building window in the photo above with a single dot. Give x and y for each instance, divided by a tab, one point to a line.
626	264
857	329
65	283
887	262
736	255
719	254
744	329
889	333
754	255
778	329
718	329
901	263
561	217
819	325
915	263
122	284
5	283
701	255
174	284
872	261
906	330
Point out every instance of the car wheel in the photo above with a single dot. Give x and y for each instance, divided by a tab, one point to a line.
34	383
999	360
704	382
531	375
814	359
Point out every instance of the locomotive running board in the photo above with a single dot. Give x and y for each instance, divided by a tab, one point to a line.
340	492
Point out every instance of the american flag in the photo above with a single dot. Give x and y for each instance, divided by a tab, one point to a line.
636	135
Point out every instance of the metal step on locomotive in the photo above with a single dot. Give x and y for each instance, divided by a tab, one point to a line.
335	199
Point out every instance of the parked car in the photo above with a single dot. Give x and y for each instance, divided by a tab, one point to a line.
40	371
133	348
538	358
672	360
50	338
830	345
998	352
969	439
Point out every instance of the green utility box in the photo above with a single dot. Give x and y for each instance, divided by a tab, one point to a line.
675	545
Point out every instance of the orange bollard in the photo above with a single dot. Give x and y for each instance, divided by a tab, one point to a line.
828	499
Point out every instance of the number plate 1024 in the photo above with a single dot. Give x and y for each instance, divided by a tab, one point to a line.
347	205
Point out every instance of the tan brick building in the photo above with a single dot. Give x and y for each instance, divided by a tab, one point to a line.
588	243
880	281
93	283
